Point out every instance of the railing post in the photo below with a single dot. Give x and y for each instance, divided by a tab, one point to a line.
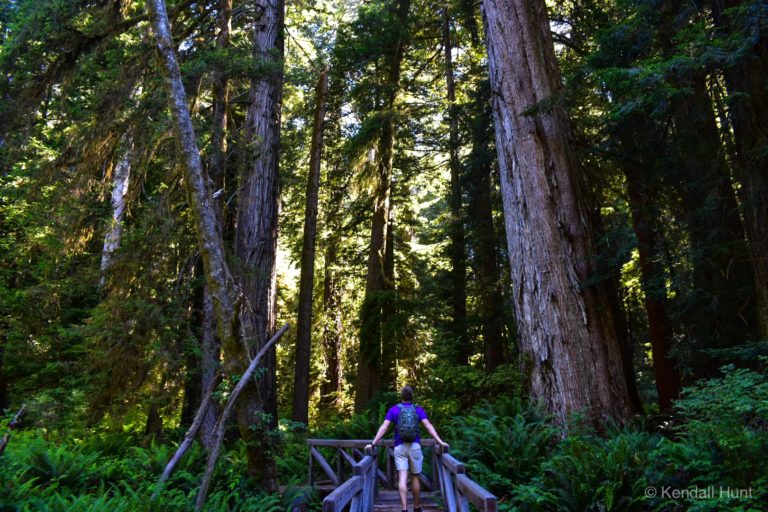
446	482
339	464
311	478
370	479
435	470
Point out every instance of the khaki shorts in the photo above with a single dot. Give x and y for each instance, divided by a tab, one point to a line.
409	456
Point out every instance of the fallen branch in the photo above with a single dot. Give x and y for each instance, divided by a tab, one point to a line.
188	437
218	430
14	424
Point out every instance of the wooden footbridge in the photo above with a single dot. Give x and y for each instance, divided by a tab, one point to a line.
363	479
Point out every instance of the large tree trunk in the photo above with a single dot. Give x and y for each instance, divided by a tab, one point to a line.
566	329
483	237
218	277
655	295
642	191
307	281
458	257
747	83
722	306
331	388
256	236
210	345
121	175
369	367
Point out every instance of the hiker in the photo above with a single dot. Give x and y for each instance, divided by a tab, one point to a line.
406	416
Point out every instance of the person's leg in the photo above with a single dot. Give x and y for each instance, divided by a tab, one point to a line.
401	464
416	488
403	487
415	458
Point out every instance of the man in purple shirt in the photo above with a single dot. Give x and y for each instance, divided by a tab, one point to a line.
407	454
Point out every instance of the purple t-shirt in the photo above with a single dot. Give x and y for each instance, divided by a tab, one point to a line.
394	413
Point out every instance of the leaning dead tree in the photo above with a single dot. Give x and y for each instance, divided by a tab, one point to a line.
188	437
14	424
221	424
226	295
218	431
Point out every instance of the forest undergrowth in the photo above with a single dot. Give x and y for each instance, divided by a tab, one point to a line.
707	456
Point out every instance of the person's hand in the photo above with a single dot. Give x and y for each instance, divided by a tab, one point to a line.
446	446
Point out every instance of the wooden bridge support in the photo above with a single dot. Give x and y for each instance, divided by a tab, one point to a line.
359	492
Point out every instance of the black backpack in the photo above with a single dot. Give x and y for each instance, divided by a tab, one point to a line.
408	423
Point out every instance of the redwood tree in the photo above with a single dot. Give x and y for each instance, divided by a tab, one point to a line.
746	83
306	284
461	350
566	330
256	234
370	367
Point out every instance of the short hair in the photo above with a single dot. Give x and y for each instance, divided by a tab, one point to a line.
406	394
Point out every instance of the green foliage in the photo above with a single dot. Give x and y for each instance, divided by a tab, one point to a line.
502	441
717	439
723	433
460	387
110	472
588	472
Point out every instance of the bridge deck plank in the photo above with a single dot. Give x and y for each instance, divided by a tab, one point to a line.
389	501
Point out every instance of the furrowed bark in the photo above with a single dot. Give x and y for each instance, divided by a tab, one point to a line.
566	330
306	284
256	237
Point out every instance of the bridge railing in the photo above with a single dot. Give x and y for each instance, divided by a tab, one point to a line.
360	490
349	451
457	489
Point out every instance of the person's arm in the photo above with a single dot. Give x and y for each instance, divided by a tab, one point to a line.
428	425
382	430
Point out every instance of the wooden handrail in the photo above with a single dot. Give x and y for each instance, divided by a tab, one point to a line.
479	497
358	491
361	443
458	489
